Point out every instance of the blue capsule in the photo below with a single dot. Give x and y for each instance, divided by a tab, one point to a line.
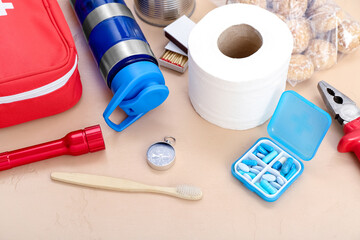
270	156
261	188
249	162
267	186
291	172
252	175
286	166
277	165
262	150
267	147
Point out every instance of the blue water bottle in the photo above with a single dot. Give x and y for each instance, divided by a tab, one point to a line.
125	59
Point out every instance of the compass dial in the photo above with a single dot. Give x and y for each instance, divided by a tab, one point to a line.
161	155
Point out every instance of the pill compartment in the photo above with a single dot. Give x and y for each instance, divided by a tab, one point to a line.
296	131
266	169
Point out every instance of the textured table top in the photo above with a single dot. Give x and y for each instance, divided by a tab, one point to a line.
322	204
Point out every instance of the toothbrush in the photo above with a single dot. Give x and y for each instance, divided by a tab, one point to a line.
123	185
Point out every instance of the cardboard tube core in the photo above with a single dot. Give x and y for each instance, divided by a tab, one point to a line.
240	41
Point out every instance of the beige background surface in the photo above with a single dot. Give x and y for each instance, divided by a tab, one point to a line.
322	204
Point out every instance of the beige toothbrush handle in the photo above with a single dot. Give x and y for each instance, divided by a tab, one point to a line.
109	183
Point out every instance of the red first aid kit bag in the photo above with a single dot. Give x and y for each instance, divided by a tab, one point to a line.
38	61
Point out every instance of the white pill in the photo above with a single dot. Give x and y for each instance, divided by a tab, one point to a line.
269	177
260	155
275	185
280	181
282	160
247	176
243	167
253	170
259	168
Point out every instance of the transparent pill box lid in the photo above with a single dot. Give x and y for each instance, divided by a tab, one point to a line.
297	127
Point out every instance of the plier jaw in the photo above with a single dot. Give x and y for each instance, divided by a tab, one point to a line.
346	113
342	107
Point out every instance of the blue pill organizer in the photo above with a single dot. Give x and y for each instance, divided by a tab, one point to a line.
296	129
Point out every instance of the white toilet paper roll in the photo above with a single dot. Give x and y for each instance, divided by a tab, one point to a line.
238	61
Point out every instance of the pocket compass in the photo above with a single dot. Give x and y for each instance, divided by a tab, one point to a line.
161	155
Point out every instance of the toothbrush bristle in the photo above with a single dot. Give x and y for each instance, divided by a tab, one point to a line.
189	192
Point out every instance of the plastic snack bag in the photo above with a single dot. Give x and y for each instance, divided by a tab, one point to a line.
322	33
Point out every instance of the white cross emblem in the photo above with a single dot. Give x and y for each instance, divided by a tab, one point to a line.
4	6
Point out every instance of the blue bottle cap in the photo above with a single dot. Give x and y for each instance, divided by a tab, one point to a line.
138	88
298	125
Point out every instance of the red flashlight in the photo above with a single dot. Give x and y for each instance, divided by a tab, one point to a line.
75	143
